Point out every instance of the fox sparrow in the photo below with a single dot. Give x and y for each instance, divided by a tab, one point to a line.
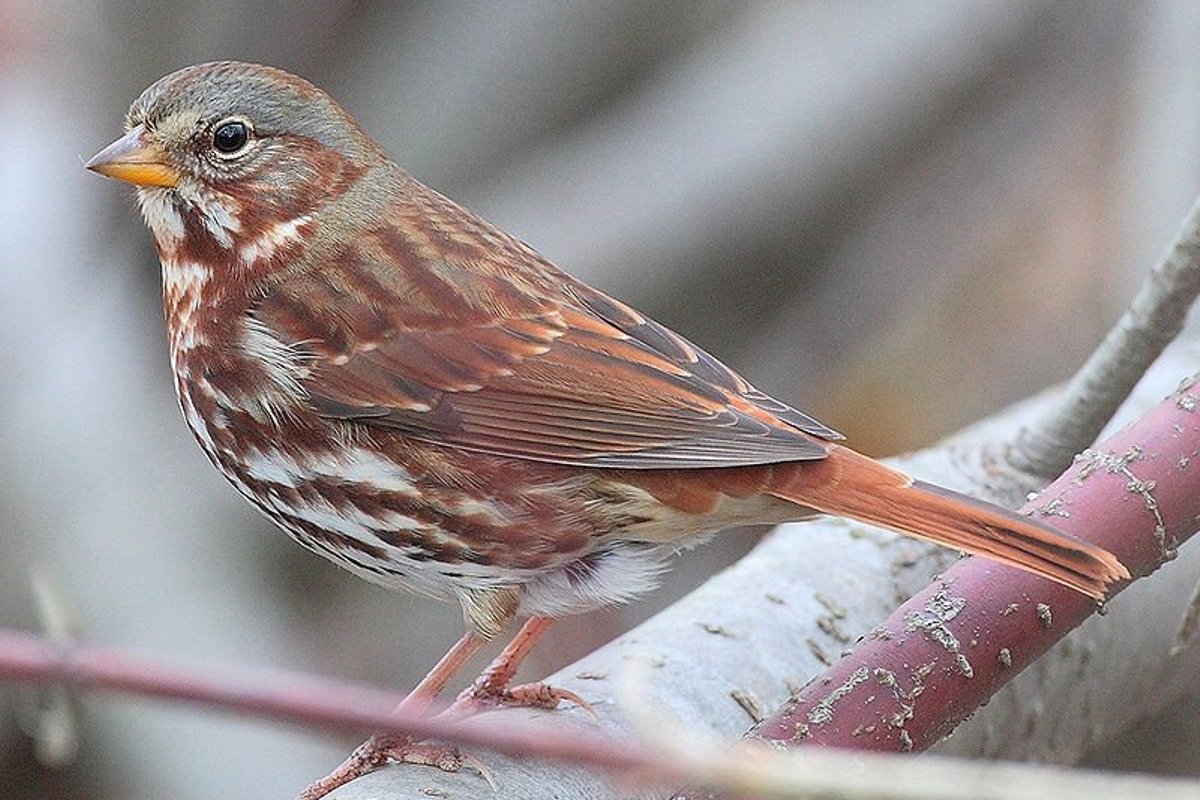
425	400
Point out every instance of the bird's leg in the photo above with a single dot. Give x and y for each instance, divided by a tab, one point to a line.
422	696
491	689
492	685
384	747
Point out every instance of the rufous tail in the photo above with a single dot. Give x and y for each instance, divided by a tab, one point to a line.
852	485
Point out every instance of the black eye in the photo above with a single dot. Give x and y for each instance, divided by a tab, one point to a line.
230	137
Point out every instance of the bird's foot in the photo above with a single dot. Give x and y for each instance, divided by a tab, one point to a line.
445	757
489	690
485	694
381	749
369	756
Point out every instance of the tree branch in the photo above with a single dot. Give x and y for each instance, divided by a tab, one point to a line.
641	762
289	697
1093	395
943	653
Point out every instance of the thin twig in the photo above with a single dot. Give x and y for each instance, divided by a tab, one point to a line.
1088	401
55	730
669	757
289	697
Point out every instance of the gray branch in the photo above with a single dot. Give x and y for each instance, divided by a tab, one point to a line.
1154	318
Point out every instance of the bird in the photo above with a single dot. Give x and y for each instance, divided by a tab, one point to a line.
424	399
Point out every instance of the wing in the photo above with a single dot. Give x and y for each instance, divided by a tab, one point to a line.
528	364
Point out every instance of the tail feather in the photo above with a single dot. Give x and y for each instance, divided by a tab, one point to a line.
860	488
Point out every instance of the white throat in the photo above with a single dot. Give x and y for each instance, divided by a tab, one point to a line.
163	210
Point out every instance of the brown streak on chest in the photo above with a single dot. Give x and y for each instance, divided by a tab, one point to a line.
445	515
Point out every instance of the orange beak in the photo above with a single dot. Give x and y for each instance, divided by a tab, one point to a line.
135	159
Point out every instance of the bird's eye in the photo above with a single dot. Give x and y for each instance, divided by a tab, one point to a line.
230	137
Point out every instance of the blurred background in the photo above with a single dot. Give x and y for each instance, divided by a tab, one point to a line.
896	215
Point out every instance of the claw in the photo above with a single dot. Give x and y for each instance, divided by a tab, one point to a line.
380	750
483	769
367	757
541	695
447	758
483	696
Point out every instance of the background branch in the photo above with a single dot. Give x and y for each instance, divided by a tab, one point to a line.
642	761
291	697
945	651
1093	395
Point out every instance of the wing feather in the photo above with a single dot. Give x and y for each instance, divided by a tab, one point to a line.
528	364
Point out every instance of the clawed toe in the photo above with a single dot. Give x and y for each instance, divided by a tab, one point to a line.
367	757
380	750
447	758
489	691
527	695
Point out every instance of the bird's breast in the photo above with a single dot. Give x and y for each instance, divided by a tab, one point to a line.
399	512
185	286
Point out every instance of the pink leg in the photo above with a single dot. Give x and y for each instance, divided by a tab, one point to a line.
381	747
491	687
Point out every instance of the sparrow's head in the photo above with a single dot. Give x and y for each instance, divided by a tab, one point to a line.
225	152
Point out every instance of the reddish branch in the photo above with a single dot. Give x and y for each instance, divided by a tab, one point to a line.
292	697
943	653
25	657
